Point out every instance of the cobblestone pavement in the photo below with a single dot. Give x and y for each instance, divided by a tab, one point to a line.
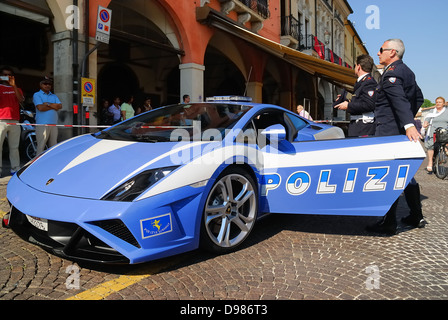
287	257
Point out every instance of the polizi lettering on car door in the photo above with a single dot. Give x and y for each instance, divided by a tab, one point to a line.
299	182
319	191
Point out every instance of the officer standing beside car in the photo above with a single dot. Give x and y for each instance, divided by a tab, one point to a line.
47	107
10	99
362	103
398	100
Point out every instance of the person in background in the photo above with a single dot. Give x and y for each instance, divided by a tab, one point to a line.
127	110
146	106
438	118
362	103
115	109
107	118
303	113
186	99
47	106
10	99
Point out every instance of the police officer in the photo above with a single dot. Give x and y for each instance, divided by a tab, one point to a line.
398	100
362	103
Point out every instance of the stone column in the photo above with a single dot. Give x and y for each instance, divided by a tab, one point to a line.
255	91
192	81
63	82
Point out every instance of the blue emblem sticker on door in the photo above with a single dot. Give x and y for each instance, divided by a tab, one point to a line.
156	226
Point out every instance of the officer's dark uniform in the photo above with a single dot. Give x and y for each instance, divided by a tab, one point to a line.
363	101
398	100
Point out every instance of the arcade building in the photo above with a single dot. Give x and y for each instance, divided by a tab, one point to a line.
284	52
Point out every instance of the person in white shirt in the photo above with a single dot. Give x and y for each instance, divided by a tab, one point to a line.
303	113
436	119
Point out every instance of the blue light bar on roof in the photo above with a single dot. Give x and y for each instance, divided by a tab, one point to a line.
229	98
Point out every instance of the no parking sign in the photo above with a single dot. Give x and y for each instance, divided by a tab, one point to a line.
88	91
103	23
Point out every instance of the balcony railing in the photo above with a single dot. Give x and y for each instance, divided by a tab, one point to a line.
333	57
306	42
259	6
291	27
253	11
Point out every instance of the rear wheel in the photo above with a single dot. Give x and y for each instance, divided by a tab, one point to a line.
230	211
441	163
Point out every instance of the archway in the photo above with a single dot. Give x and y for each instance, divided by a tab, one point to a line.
143	55
117	79
271	89
221	75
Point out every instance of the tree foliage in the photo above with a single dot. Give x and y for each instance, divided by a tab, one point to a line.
427	104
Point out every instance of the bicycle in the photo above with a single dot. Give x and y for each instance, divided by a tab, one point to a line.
440	153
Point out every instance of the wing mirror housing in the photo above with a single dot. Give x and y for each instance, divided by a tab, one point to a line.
276	132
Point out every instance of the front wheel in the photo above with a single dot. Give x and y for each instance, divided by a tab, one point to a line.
441	163
230	211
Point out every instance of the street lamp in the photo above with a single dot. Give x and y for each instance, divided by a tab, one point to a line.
327	37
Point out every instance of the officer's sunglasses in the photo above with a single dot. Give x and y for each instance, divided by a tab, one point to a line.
381	50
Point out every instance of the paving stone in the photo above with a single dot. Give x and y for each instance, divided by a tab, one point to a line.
287	257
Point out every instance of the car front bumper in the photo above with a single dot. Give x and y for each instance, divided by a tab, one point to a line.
107	231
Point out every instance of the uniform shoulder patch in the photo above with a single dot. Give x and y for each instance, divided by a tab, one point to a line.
392	80
371	93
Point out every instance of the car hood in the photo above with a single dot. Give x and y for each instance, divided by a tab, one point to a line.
88	167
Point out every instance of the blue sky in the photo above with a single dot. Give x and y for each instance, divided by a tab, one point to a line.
423	27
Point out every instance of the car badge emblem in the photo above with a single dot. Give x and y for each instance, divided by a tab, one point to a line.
50	182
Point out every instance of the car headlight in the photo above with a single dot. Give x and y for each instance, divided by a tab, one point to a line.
132	188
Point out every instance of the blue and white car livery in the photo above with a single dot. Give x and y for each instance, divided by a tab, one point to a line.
189	175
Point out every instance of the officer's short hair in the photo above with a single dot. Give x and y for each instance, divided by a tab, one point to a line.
398	45
366	62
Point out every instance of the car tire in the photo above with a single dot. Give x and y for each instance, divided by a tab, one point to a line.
230	211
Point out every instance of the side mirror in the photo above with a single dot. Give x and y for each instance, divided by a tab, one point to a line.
276	132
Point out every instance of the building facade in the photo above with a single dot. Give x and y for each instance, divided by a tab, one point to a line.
317	28
284	52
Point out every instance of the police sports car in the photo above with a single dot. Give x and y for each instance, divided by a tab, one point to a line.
196	175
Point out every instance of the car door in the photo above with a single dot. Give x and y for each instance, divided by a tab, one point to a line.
351	176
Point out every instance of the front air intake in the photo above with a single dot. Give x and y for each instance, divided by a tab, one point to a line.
117	228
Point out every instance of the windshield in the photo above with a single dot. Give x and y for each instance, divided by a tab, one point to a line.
185	122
